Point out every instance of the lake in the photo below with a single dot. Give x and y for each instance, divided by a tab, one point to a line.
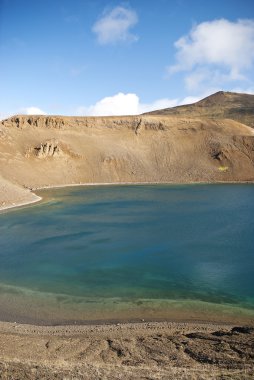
118	253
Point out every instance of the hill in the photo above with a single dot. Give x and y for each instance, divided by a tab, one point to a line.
227	105
192	143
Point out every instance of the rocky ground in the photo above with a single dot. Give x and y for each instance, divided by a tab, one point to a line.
127	351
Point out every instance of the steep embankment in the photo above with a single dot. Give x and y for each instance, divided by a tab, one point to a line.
12	195
39	151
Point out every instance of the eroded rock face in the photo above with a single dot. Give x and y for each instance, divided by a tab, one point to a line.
52	148
219	153
24	121
47	149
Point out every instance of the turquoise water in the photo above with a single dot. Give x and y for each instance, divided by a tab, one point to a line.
129	251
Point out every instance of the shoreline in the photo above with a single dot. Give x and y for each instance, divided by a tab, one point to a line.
107	326
138	183
10	207
21	204
72	329
37	308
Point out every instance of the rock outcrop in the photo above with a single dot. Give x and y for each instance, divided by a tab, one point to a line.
50	148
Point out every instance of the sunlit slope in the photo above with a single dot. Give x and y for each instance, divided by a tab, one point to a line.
40	151
235	106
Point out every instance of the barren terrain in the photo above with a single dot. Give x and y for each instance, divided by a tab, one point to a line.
45	151
134	351
212	141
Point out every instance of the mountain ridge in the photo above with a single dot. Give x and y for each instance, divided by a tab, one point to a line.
222	104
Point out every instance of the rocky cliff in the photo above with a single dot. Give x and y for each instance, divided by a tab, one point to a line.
38	151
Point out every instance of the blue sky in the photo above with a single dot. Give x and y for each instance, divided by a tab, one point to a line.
93	57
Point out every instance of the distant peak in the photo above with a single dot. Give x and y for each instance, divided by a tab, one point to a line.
228	94
220	96
222	104
219	93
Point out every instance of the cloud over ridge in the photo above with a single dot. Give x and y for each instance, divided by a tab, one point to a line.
128	104
33	111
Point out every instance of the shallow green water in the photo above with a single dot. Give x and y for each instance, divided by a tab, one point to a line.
129	251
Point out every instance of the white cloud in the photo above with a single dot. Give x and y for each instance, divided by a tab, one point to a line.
119	104
128	104
24	111
157	105
248	90
192	99
199	78
218	51
193	80
114	26
4	116
32	111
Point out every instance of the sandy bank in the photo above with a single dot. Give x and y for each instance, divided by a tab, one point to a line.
12	195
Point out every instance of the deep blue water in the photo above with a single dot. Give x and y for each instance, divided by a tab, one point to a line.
161	242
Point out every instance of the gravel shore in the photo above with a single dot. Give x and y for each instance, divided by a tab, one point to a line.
155	350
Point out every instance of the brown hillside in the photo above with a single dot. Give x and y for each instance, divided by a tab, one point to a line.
41	151
227	105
